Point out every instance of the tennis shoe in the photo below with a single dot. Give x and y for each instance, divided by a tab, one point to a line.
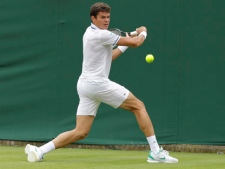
161	157
34	154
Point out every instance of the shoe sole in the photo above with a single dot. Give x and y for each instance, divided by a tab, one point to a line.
151	161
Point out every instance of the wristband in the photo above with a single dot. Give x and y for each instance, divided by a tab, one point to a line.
122	48
143	33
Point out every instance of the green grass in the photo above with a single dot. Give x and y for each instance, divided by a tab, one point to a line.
66	158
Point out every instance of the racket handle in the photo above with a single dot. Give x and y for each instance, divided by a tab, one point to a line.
133	33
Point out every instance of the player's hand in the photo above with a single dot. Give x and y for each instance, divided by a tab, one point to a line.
128	35
141	29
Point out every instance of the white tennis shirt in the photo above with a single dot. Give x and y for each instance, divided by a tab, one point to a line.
97	53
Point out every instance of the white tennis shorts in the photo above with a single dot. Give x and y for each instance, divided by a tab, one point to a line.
92	94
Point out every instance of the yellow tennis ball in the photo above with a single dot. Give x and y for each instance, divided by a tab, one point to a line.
149	58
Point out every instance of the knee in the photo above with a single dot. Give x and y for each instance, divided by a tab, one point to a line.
80	134
139	106
83	135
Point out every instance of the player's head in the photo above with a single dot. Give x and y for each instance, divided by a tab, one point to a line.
100	14
99	7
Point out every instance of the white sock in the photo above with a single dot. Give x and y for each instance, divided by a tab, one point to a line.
47	147
153	144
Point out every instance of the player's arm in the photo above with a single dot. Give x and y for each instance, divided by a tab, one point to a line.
131	42
134	41
127	41
116	53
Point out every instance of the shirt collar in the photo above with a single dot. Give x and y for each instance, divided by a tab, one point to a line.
94	26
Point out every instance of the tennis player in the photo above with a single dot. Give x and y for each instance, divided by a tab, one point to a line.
94	87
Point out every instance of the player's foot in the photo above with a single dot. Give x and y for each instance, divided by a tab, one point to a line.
34	154
161	157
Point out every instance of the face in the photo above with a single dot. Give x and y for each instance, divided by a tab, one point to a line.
102	20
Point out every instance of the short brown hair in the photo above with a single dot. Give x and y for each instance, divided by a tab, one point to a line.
99	7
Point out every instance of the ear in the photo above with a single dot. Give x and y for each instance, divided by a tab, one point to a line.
93	18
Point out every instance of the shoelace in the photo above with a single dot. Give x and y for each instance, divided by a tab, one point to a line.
166	152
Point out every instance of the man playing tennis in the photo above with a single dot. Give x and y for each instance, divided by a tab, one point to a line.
94	87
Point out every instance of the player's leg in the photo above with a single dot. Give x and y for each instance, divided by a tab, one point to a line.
156	154
116	95
138	108
83	127
86	113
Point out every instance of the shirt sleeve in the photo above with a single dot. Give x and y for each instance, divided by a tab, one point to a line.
108	38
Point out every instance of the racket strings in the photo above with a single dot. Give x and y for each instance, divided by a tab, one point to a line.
116	32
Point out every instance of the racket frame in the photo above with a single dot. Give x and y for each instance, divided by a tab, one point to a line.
120	32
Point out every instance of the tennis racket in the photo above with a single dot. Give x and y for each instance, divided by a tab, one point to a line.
120	33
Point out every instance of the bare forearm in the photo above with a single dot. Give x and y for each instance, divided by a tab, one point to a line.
115	54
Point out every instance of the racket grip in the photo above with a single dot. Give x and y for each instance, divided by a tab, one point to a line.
133	33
